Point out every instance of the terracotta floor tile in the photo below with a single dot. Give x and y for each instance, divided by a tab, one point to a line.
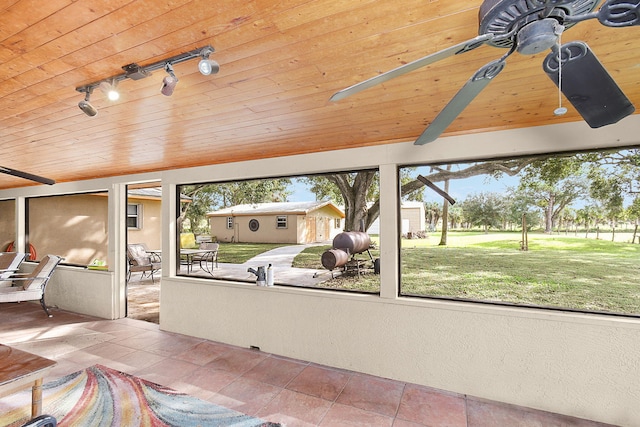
237	361
320	382
433	408
209	379
372	394
276	371
402	423
488	414
246	395
348	416
203	353
167	371
295	409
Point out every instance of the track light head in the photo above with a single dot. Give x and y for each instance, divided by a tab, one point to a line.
169	82
208	66
86	106
110	90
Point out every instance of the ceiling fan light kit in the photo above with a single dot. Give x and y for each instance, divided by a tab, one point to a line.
530	27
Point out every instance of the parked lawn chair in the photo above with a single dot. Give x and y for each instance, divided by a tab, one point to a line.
31	286
9	265
140	260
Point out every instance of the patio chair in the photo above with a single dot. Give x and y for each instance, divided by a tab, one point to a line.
140	260
9	264
31	286
211	256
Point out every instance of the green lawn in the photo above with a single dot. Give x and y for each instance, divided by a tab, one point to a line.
557	270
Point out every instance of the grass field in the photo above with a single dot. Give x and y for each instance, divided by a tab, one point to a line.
557	271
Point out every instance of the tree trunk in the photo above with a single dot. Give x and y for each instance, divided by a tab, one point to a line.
445	213
548	217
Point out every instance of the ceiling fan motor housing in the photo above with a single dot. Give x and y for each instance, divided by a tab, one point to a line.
506	18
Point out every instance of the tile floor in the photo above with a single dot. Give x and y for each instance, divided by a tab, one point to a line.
293	392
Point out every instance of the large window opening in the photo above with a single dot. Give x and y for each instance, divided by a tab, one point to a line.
554	231
284	228
73	226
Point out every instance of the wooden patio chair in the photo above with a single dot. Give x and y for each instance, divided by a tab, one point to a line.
31	286
140	260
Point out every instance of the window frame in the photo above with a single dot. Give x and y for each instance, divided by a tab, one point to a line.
282	222
138	216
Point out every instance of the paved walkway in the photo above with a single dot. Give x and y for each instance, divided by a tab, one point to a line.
281	260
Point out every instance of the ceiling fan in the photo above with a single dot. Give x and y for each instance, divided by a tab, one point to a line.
530	27
26	175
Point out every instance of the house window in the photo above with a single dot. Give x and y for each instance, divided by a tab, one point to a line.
337	223
281	222
134	216
229	223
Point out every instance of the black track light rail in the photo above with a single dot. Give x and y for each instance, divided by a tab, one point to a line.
137	72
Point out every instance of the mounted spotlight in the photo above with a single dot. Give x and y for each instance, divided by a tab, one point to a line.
207	66
137	72
86	106
110	90
169	83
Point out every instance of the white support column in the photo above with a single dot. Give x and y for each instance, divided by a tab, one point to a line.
20	239
169	229
389	250
116	257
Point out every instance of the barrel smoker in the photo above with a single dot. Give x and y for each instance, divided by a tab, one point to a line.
346	246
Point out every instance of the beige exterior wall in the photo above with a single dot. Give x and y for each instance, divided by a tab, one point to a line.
7	223
150	232
317	226
76	226
72	226
415	217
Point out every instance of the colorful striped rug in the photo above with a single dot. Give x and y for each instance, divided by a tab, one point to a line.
100	396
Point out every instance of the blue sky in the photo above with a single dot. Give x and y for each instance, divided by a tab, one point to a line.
459	189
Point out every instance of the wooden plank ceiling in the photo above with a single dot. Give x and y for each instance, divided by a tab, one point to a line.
280	62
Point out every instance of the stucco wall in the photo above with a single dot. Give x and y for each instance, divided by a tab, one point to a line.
72	226
7	223
151	231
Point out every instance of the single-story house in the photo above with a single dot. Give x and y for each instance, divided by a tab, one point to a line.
282	222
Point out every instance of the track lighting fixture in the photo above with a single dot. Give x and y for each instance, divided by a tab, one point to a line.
207	66
169	83
86	106
134	71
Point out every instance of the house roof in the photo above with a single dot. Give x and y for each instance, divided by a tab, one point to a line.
279	208
280	62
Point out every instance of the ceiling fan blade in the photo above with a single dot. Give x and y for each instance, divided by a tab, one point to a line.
619	13
403	69
26	175
587	85
459	102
